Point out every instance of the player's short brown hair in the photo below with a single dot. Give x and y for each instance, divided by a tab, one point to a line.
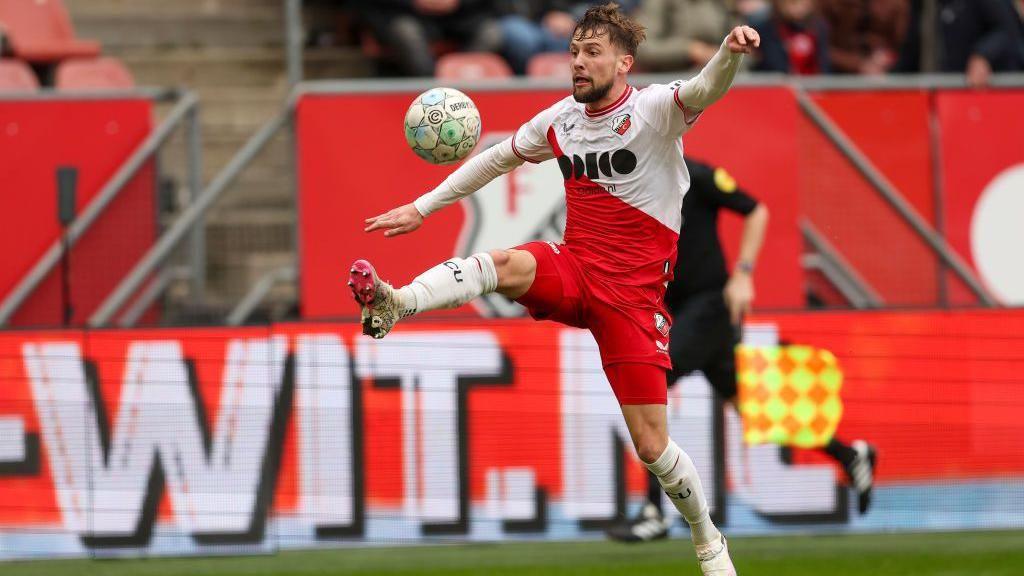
623	31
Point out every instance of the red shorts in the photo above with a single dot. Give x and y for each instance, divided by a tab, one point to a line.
629	323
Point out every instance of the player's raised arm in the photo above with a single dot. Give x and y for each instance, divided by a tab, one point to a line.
467	179
672	109
716	77
528	144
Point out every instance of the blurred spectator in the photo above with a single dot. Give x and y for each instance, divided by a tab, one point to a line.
976	37
409	28
865	35
794	39
530	27
681	33
748	9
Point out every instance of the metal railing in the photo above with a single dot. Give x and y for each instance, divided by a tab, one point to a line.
184	111
151	292
827	260
187	220
893	197
258	292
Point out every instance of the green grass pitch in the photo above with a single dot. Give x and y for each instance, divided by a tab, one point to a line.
974	554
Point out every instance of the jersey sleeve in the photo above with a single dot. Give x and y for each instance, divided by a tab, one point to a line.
659	105
673	109
530	142
718	188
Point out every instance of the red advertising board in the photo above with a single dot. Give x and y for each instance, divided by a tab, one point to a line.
922	384
212	431
982	164
891	129
94	136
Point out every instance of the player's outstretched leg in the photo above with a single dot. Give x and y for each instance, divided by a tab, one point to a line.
648	427
678	477
447	285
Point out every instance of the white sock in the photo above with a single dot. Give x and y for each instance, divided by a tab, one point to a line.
678	476
451	284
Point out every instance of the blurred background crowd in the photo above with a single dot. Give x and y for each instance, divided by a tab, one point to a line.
801	37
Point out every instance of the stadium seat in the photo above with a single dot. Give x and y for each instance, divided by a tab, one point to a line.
549	65
93	73
40	31
471	66
16	76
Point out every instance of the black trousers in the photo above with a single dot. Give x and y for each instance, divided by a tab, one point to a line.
704	339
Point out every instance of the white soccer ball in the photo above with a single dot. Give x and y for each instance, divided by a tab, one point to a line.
442	125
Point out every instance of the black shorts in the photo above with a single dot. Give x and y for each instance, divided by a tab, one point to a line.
704	339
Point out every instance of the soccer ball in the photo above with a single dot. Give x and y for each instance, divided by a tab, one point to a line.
442	125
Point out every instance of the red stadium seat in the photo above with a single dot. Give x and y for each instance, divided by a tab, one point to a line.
16	76
471	66
40	31
550	65
93	73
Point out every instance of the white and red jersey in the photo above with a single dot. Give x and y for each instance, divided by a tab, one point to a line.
624	179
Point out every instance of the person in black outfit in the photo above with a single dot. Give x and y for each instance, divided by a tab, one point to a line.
708	305
976	37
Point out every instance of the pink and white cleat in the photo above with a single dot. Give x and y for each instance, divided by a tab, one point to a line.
378	300
714	559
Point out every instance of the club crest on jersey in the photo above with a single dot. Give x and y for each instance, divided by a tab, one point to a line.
661	323
621	123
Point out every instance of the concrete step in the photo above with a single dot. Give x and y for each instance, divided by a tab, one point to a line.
151	30
239	66
337	63
196	8
238	112
276	156
253	67
238	239
229	283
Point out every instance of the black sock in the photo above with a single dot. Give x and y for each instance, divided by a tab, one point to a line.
654	491
841	452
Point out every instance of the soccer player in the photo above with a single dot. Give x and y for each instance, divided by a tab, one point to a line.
708	305
621	155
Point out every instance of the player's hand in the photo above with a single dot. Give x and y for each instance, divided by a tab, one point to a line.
738	293
743	40
401	220
979	72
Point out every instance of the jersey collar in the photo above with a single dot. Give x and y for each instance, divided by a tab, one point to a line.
609	108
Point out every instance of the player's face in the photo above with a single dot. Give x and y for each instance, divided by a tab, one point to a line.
595	63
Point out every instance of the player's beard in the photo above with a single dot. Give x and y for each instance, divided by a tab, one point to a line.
591	93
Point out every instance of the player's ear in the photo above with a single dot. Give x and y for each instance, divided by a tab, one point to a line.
626	63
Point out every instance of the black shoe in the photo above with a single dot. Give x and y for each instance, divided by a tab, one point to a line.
648	525
861	472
